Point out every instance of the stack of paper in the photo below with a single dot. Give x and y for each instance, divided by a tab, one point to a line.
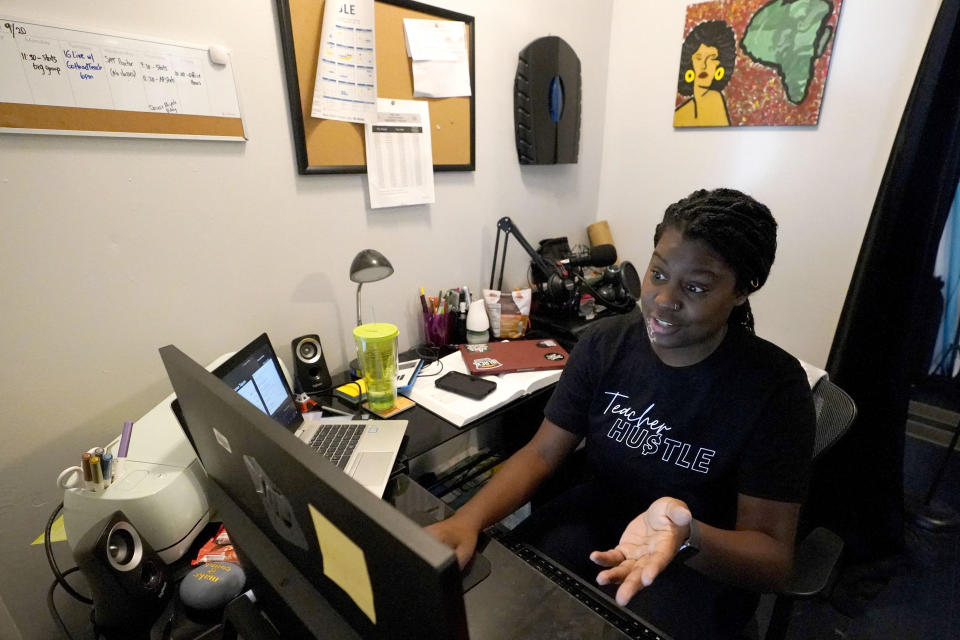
440	65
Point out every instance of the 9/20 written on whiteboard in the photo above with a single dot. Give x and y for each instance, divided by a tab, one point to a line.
64	67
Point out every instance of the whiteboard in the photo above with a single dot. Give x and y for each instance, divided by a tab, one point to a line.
57	79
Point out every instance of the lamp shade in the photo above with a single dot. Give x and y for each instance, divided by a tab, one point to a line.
369	266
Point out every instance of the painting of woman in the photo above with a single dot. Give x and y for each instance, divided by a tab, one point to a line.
706	64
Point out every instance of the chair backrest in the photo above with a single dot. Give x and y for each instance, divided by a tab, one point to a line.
835	413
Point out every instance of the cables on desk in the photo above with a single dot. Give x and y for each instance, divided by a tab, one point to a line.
430	355
53	607
52	561
59	577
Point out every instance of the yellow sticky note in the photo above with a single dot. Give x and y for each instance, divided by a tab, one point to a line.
344	563
57	533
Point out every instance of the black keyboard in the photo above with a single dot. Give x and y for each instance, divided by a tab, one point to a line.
336	442
586	593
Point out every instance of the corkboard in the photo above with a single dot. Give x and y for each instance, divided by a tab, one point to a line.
331	146
47	119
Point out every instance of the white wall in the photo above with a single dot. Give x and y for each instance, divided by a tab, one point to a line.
114	247
820	182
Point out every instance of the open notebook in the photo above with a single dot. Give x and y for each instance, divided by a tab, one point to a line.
460	410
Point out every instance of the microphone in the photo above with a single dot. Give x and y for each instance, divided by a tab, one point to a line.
602	255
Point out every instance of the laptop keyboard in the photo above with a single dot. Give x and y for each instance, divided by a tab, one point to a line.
336	442
582	591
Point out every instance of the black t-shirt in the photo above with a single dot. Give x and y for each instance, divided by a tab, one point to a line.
740	421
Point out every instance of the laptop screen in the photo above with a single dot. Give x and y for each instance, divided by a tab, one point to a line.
254	373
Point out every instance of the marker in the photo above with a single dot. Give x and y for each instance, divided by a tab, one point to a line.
97	473
106	465
423	301
87	471
122	449
125	439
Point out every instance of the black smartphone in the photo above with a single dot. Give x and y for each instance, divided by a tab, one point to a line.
467	386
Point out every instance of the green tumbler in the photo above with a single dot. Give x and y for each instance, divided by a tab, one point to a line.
377	354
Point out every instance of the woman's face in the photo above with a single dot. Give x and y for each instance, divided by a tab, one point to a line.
705	61
687	295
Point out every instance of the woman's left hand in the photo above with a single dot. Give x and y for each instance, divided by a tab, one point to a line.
647	546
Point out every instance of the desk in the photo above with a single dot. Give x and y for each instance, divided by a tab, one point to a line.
514	601
432	442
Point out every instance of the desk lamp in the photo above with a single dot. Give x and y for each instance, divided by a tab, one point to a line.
368	266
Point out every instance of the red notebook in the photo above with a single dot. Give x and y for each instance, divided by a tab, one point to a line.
515	355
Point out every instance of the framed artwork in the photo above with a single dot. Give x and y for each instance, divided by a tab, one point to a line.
754	62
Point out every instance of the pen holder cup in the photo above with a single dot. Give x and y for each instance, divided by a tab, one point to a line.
437	328
377	354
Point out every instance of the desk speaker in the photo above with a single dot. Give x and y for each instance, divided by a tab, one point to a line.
129	583
310	366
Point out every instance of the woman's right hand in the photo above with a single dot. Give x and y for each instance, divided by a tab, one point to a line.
458	535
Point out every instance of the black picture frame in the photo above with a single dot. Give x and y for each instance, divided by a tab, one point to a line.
450	159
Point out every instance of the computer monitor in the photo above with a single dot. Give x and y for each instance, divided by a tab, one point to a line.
326	558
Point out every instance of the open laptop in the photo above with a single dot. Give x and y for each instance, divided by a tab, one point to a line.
365	449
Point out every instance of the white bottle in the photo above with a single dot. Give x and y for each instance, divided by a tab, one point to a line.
478	325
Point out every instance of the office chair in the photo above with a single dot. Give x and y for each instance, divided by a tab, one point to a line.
816	556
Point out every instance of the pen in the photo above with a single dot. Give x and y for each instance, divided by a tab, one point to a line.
336	411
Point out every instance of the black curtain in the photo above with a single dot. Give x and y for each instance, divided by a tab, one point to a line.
858	486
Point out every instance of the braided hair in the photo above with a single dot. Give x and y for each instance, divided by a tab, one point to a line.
736	227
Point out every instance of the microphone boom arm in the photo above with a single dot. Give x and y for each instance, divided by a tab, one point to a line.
506	227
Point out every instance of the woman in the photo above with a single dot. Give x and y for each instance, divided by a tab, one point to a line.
706	64
697	431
